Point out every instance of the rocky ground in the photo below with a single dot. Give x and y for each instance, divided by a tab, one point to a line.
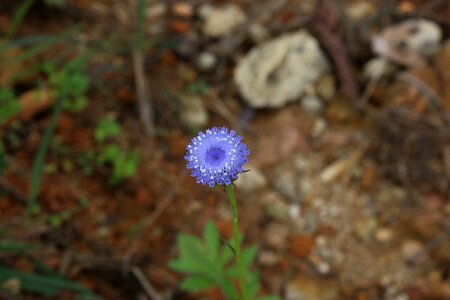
344	106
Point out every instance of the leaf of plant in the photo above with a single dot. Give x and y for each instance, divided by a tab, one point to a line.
2	162
192	256
107	128
268	298
47	286
190	246
253	285
225	256
16	247
212	241
188	266
248	256
196	284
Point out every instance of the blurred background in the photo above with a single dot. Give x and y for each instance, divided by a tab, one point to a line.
344	105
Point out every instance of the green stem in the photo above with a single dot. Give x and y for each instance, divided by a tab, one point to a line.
237	240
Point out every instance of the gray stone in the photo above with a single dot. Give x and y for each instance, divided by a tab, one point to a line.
312	104
276	236
311	288
286	185
412	249
426	37
276	207
258	33
407	41
364	228
206	61
378	67
319	127
192	112
219	21
326	87
360	10
278	71
268	258
384	235
252	180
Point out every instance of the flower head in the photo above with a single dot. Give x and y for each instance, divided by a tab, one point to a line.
216	157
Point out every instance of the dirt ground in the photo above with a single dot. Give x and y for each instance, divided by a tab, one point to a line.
346	201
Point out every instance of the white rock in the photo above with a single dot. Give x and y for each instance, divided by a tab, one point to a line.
252	180
192	112
384	235
365	227
206	61
294	211
278	71
205	10
276	207
319	127
412	249
360	10
326	87
276	236
286	185
258	33
378	67
407	41
312	104
311	288
425	36
220	21
268	258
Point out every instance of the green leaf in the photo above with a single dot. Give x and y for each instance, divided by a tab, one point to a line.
46	286
190	246
9	105
16	247
107	128
253	286
269	298
225	256
212	241
191	258
196	284
2	161
188	266
248	256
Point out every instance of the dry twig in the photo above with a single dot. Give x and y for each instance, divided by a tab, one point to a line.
325	23
142	92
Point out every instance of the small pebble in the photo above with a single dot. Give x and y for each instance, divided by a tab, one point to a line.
268	258
312	104
384	235
206	61
412	249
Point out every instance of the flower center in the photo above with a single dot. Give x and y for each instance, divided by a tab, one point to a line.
215	156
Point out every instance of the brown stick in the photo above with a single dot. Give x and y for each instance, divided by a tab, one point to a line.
142	92
324	24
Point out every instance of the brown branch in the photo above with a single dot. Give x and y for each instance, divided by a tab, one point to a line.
142	92
324	24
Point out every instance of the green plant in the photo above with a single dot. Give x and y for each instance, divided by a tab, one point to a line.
208	263
107	128
2	161
74	80
43	284
199	86
56	220
9	106
71	69
123	164
18	18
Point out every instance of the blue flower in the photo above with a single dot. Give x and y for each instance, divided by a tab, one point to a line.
216	157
